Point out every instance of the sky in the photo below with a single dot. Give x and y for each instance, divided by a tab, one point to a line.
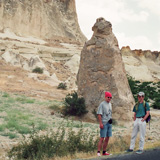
135	23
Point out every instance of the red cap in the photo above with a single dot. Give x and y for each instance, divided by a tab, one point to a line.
108	94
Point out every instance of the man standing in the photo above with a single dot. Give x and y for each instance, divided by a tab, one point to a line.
141	112
105	123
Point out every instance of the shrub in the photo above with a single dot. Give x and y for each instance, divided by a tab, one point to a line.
62	86
133	85
74	105
156	104
149	88
59	143
38	70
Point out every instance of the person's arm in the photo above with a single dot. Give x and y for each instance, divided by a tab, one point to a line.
100	120
134	116
145	117
134	111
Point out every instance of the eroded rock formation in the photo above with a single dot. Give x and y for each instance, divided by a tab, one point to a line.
42	33
102	69
45	19
142	65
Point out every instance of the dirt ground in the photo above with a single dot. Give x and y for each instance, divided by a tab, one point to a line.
16	80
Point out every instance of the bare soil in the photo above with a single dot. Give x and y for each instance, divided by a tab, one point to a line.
15	80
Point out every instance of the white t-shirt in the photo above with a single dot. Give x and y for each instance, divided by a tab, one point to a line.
105	109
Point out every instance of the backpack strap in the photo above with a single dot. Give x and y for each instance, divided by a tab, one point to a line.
136	106
144	104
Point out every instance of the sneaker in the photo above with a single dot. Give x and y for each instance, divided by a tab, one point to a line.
98	154
106	154
139	151
129	150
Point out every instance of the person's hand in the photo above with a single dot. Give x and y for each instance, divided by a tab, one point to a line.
101	126
134	118
142	120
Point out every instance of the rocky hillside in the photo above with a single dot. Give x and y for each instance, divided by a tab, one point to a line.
142	65
46	34
43	34
44	19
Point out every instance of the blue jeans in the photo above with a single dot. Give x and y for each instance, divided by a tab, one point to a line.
106	131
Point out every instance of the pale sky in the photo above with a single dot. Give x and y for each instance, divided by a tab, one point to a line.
135	23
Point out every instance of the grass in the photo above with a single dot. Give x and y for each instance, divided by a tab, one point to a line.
19	115
16	117
24	100
10	135
152	145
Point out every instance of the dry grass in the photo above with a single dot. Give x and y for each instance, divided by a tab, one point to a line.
152	145
117	148
79	155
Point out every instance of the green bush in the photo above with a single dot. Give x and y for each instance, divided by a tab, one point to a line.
60	143
62	86
151	90
74	105
38	70
156	104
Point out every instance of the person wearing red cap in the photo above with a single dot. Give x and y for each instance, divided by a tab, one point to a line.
105	123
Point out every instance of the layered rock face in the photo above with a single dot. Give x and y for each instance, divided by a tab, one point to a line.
41	33
45	19
141	65
102	69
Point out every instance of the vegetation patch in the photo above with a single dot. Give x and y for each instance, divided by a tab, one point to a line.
62	86
151	90
38	70
74	105
59	143
24	100
16	119
10	135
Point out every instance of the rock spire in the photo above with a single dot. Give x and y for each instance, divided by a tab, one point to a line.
102	69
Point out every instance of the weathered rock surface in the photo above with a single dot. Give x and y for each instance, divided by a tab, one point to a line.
44	19
102	69
59	61
43	34
142	65
16	80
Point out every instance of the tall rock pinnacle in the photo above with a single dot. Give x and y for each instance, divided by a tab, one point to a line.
102	69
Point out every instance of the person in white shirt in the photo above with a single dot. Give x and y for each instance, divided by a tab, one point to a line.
105	123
